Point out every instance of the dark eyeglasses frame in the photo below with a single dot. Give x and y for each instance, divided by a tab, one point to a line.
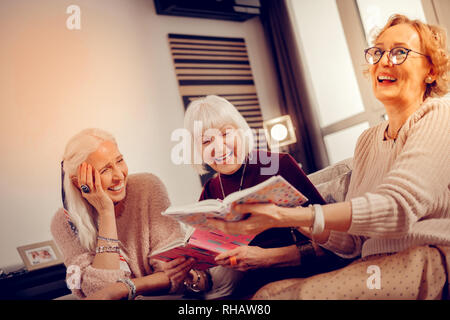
389	55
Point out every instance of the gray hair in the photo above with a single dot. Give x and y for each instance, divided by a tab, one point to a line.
214	112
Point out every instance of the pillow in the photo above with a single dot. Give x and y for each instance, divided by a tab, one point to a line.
335	189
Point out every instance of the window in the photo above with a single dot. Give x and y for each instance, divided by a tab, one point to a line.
332	76
332	36
374	14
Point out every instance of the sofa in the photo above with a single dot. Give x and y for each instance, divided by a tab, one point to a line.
332	183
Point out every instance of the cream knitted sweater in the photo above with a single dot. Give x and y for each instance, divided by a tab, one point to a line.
399	190
141	228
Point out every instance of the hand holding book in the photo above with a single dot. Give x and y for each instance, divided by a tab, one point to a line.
274	190
208	216
265	218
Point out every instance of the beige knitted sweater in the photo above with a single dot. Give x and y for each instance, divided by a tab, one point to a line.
141	228
399	190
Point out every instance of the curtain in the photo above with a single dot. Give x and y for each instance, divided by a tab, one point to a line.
310	149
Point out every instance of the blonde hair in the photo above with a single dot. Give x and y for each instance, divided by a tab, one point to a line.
81	213
214	112
434	42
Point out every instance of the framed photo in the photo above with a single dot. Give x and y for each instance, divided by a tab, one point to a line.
40	255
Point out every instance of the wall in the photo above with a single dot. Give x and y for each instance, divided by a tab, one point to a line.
115	73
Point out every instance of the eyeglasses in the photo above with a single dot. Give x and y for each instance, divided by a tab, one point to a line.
396	55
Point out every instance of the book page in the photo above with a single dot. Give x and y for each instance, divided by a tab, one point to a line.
176	243
274	190
200	206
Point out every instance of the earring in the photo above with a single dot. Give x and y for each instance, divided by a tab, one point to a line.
429	80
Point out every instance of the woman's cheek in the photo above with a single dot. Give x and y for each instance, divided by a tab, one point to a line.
207	154
105	180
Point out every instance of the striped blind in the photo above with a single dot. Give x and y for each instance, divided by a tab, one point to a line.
219	66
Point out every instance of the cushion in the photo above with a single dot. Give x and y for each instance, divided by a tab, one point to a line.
332	182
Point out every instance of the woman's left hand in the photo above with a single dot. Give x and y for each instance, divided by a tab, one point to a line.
263	217
247	258
177	270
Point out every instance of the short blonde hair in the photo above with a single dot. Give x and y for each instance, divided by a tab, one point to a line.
214	112
434	42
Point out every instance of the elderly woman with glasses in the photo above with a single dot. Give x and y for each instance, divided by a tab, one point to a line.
397	209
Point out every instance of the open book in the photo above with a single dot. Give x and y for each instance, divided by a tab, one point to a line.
274	190
203	245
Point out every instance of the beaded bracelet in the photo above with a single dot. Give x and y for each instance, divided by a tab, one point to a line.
107	239
193	286
131	287
102	249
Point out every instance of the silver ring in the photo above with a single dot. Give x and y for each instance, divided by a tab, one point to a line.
85	188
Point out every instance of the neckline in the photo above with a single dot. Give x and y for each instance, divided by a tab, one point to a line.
124	203
383	138
234	175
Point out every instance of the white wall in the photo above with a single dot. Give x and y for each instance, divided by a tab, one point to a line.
115	73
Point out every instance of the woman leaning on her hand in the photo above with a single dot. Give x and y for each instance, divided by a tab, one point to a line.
397	210
111	222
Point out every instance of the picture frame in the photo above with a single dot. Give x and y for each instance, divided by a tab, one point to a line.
40	255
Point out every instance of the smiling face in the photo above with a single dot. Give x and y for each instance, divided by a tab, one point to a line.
401	84
222	149
113	170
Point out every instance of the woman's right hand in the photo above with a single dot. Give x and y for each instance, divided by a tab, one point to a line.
97	197
177	270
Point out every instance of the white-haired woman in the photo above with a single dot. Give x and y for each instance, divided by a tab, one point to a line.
222	139
111	222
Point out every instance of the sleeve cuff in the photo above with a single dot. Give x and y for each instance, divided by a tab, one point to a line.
344	245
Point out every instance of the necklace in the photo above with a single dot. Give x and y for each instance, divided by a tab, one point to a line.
242	179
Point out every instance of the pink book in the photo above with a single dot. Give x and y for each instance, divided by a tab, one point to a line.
203	245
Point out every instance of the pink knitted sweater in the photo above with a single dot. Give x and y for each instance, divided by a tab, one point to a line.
141	228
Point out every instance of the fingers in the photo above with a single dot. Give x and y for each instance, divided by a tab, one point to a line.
177	270
178	265
185	266
79	175
227	254
82	174
89	177
97	180
173	263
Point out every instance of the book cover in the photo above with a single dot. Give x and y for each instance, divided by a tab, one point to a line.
202	245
